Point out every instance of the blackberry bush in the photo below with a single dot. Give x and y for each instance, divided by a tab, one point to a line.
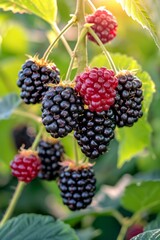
61	107
128	100
34	77
77	186
95	131
50	153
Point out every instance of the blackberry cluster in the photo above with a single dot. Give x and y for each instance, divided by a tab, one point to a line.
95	131
50	154
97	87
33	79
104	25
61	107
77	187
128	100
25	166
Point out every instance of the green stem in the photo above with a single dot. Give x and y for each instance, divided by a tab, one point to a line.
81	52
91	5
81	37
13	202
35	143
128	223
107	54
49	49
27	114
65	43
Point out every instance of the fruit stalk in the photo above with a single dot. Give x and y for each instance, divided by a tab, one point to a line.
106	53
36	141
13	202
49	49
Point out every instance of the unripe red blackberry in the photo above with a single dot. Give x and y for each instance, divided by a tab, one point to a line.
25	165
77	186
133	231
51	154
95	131
104	25
34	76
97	87
128	100
61	107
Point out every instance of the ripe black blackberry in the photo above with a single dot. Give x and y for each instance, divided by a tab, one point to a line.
77	186
34	76
128	100
61	107
95	131
50	153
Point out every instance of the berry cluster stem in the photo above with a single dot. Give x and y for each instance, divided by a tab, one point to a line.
13	202
49	49
65	43
27	115
106	53
91	5
81	52
35	143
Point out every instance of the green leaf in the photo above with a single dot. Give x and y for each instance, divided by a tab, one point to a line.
149	235
46	10
136	10
34	226
8	104
144	196
132	140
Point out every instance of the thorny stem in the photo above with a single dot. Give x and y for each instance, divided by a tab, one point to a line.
35	143
65	43
49	49
91	5
27	114
13	202
107	54
81	52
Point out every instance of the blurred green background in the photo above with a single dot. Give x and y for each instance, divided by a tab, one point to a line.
22	34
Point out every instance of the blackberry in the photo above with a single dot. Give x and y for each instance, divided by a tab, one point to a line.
104	25
97	87
33	77
61	107
25	165
128	100
77	186
95	131
23	135
51	154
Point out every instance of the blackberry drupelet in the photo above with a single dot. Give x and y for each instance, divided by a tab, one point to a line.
61	107
25	165
33	77
104	25
128	101
77	186
95	131
97	87
51	154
